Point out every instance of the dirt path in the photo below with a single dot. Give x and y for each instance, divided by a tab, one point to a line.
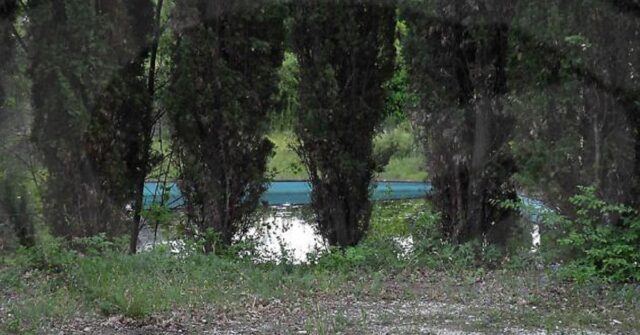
306	317
411	302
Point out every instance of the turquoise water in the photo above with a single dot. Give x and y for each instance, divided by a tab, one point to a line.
293	192
288	226
282	193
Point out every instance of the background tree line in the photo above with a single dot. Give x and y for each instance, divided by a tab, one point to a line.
505	96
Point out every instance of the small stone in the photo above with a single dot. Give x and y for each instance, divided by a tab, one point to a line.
87	329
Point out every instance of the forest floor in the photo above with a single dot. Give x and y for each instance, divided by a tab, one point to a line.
407	302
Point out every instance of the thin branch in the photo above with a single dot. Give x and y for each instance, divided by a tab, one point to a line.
19	39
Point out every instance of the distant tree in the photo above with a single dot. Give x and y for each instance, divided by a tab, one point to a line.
457	53
346	53
400	97
139	112
224	77
91	108
287	104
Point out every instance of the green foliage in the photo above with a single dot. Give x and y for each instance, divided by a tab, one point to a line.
14	202
604	237
400	96
285	163
370	255
287	104
575	105
405	156
91	109
434	250
50	254
160	215
399	140
8	10
224	78
346	54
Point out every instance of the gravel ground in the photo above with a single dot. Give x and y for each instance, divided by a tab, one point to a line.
418	302
342	316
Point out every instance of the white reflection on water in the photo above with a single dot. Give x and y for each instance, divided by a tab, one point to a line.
287	233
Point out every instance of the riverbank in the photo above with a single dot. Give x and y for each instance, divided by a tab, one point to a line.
378	287
406	161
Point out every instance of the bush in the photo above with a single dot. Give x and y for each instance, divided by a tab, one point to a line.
14	204
373	255
49	254
604	239
432	249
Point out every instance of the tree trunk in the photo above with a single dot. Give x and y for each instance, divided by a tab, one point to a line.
147	134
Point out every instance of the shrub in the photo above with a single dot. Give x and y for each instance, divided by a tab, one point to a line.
49	254
434	250
373	255
604	239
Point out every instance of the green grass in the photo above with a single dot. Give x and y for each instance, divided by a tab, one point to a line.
154	284
404	168
51	284
285	163
406	163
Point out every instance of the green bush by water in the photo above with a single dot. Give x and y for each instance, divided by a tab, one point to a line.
604	239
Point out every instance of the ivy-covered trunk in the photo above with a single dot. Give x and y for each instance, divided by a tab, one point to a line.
224	77
457	55
346	54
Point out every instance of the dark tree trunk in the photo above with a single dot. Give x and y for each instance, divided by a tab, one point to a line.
147	122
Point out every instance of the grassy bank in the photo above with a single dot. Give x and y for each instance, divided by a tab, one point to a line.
405	163
373	288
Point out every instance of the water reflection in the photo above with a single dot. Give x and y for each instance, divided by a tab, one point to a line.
286	232
283	232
